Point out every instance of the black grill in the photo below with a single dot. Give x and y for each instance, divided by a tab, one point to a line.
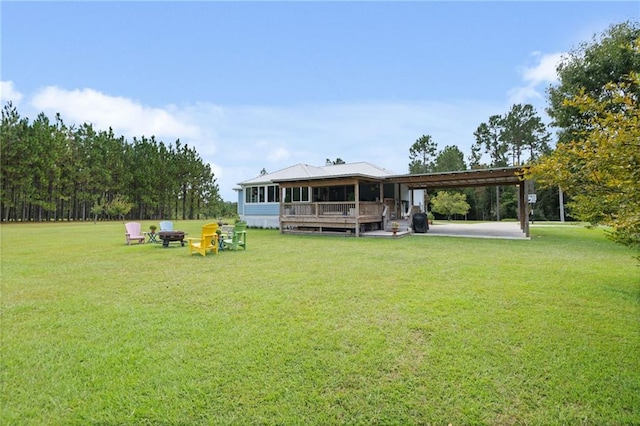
420	223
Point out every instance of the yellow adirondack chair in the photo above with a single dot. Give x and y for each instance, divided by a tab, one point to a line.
238	238
133	232
208	240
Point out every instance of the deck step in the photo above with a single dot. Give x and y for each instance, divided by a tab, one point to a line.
404	224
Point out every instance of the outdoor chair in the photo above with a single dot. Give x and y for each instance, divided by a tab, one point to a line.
238	237
166	225
133	232
208	240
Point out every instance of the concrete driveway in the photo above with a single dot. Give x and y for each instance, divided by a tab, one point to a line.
504	230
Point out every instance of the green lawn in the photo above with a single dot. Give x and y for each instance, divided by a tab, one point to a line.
318	330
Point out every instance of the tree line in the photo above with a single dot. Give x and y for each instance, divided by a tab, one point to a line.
50	171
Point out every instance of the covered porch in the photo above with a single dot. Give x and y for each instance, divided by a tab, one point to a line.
336	205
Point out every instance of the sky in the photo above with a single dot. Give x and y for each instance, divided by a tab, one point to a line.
266	85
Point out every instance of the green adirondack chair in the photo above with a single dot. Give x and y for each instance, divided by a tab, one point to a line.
238	237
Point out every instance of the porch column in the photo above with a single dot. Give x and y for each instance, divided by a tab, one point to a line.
357	200
283	191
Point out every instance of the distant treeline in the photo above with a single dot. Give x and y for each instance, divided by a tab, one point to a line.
51	171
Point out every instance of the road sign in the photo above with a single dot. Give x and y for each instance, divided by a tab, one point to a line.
532	198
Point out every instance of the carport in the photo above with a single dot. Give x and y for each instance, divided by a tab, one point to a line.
502	176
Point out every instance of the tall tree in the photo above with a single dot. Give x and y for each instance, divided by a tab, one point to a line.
489	138
14	173
595	108
608	58
600	168
422	155
523	130
450	159
475	157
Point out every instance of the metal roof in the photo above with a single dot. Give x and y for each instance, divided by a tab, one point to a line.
307	172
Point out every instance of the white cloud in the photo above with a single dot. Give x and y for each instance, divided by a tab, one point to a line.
124	115
278	154
524	94
542	73
9	93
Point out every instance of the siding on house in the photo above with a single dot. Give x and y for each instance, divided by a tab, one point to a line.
260	215
262	209
240	193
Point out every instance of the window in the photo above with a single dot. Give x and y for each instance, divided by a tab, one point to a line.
297	194
273	194
262	194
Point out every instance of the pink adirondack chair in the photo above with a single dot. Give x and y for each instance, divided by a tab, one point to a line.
133	232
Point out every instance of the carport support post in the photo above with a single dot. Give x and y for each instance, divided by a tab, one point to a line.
524	216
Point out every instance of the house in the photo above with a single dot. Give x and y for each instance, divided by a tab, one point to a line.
355	198
351	198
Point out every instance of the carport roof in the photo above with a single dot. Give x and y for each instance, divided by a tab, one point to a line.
466	178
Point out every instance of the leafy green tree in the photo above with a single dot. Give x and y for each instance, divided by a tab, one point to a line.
450	159
119	206
422	155
96	210
449	203
600	168
586	70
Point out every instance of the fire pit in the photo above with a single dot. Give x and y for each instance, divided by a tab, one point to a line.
169	236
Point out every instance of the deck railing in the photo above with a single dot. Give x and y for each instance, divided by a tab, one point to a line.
328	209
371	208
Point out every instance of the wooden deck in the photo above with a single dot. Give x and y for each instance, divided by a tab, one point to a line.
331	217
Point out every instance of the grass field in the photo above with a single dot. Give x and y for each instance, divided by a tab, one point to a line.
318	330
